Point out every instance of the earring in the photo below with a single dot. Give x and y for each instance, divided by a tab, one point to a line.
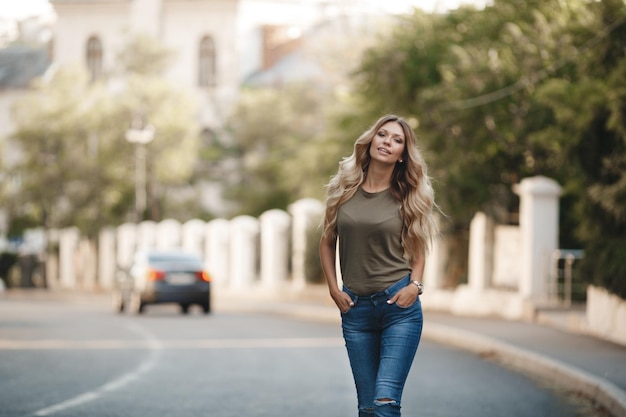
400	160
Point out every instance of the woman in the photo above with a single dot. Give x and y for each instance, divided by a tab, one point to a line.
379	210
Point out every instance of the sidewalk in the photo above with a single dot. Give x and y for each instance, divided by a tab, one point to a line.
572	360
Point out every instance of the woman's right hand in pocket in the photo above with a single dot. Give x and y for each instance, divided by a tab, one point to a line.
342	300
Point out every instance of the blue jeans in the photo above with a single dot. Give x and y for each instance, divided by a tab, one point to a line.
381	340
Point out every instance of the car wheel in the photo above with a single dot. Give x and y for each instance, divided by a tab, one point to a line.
136	305
184	308
206	307
118	302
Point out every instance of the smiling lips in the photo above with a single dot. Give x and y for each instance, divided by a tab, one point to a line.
384	150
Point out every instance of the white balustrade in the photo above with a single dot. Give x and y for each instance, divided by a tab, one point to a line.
275	243
244	233
126	243
193	236
305	213
169	233
106	258
146	234
539	223
217	251
68	244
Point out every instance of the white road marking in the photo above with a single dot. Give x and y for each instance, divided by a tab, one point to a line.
53	344
154	345
150	342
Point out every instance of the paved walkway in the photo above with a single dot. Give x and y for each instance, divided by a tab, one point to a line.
570	359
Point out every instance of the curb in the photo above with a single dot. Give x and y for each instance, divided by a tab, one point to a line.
605	393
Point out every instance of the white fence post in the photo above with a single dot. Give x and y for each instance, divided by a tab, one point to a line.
146	234
480	261
306	213
106	258
126	243
68	245
217	251
86	264
168	234
539	223
244	232
193	236
274	247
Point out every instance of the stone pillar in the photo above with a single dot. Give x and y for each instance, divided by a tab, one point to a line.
539	226
86	264
480	252
275	241
68	245
53	278
193	236
168	234
106	258
306	214
434	269
126	243
244	233
217	248
146	234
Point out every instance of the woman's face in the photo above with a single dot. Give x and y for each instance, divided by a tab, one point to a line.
388	144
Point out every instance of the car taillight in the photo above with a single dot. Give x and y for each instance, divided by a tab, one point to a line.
155	275
204	276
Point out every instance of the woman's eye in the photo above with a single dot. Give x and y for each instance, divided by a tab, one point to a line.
381	134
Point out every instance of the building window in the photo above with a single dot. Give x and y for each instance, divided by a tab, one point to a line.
206	63
94	57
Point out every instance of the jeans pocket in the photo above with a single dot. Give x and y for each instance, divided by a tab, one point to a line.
404	307
407	307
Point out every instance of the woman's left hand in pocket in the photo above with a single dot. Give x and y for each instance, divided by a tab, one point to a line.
405	297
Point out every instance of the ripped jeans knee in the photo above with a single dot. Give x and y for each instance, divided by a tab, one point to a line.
366	411
384	407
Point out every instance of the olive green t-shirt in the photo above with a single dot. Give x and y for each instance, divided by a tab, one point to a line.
370	248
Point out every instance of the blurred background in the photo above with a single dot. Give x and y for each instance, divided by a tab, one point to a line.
119	111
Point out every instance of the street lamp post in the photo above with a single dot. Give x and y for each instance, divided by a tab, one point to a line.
140	137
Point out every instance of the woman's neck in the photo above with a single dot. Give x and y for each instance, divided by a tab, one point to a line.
377	179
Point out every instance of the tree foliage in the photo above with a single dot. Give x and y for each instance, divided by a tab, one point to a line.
76	168
590	111
468	79
518	89
277	133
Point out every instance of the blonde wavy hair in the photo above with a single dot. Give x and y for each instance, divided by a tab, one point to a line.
410	185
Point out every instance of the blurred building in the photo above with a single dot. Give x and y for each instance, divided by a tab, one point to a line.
201	33
24	57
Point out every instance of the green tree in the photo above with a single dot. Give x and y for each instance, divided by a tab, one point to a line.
589	115
273	131
76	166
467	80
66	161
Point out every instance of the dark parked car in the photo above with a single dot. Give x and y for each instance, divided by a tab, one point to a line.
158	276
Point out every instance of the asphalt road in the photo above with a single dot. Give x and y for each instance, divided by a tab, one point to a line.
72	356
